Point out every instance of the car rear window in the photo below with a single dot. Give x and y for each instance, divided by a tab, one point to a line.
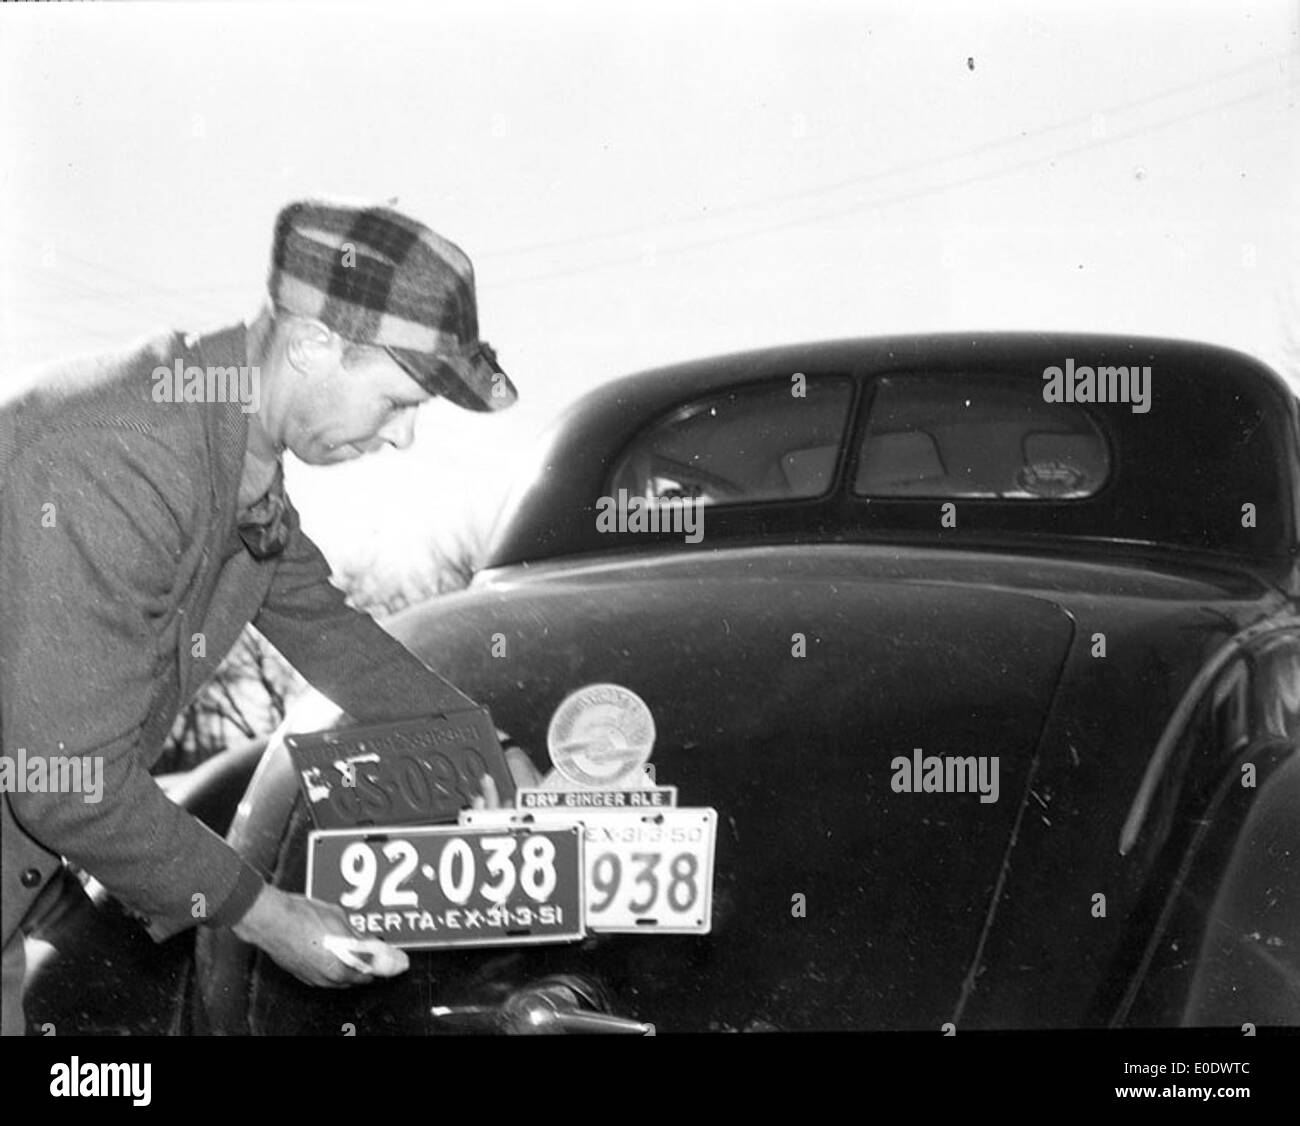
974	436
768	441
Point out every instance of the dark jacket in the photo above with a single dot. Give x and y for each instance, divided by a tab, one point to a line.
117	549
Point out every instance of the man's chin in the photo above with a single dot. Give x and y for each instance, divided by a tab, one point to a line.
331	455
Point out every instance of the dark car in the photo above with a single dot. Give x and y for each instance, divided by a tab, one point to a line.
1070	561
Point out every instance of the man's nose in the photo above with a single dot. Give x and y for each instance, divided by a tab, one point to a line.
400	432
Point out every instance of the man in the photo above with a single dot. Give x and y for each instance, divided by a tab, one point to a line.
143	525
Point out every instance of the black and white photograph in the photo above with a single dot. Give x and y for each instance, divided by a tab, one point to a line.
661	521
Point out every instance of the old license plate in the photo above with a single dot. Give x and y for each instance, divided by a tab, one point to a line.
403	772
647	872
425	886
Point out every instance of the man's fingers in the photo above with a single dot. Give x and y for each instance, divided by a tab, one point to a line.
521	767
388	961
346	950
491	798
367	957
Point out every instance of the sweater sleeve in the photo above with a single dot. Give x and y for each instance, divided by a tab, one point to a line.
344	653
90	531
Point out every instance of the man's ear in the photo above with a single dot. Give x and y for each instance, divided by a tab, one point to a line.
311	347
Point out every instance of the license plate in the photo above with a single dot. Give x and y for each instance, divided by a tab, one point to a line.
647	872
403	772
425	886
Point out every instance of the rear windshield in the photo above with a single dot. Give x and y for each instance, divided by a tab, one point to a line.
765	441
1202	459
956	436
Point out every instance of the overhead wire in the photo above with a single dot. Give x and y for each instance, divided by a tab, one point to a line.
129	299
889	173
890	200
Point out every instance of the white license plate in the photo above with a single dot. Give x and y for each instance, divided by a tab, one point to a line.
647	872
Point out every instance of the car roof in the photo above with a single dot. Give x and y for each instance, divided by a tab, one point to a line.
1204	395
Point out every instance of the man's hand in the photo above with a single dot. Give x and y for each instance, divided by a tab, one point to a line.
313	941
521	770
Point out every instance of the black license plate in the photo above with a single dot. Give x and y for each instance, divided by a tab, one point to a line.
406	772
427	886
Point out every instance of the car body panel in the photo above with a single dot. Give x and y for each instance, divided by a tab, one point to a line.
914	903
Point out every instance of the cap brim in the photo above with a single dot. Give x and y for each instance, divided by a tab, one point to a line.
477	385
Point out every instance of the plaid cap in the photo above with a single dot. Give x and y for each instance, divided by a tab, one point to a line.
377	277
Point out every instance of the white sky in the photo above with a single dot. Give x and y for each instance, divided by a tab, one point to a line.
640	184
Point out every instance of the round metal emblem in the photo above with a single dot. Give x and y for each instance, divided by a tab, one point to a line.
601	735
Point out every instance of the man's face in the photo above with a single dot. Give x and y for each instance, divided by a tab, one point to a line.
337	413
